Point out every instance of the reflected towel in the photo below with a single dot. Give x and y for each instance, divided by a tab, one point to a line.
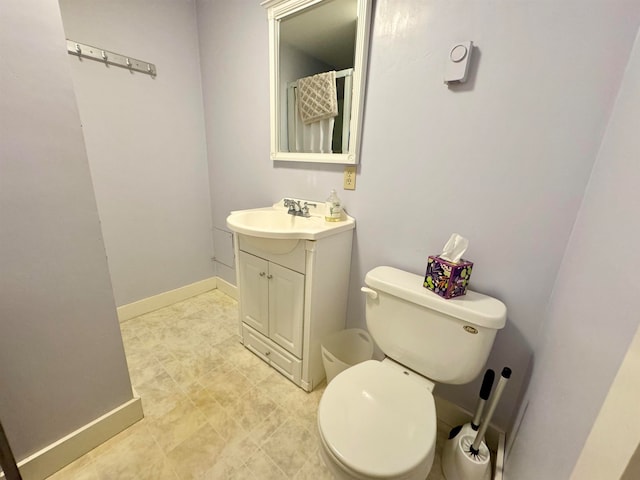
317	97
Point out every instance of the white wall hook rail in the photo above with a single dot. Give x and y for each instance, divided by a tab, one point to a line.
110	58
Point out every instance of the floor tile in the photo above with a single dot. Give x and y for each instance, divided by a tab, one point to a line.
213	410
227	387
290	446
197	454
176	425
82	469
269	425
251	409
136	456
263	467
313	469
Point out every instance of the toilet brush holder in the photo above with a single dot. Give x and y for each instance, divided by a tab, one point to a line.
459	464
468	457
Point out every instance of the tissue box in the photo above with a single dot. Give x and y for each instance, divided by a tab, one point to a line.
447	279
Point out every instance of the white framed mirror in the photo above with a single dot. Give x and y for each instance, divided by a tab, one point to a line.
317	67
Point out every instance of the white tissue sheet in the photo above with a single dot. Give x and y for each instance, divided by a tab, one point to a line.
454	248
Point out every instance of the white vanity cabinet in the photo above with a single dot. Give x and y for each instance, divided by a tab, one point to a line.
272	300
292	293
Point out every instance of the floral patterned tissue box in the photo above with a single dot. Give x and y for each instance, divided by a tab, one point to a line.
447	279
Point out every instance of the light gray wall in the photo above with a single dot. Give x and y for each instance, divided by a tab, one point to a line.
593	312
145	141
502	160
62	362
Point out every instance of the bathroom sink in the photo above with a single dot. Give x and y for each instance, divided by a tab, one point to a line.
275	223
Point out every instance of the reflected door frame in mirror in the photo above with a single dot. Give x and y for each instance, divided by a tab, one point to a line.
279	10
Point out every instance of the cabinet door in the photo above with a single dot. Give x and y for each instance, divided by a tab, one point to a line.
254	292
286	304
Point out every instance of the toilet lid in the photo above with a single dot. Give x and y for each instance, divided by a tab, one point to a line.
378	421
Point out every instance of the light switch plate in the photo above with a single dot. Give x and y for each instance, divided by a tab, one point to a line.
350	178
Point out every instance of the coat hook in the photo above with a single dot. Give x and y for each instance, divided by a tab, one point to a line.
78	49
104	55
128	63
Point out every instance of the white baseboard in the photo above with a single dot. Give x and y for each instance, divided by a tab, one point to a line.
149	304
228	288
52	458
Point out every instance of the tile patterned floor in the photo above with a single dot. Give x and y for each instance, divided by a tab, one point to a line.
212	409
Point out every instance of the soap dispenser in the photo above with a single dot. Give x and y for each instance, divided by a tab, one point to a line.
333	208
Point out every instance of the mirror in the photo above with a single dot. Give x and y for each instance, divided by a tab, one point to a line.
317	65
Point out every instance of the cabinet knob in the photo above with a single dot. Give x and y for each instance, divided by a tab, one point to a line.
269	276
262	274
268	353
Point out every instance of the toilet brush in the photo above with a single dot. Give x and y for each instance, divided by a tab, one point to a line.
470	458
472	427
469	428
504	378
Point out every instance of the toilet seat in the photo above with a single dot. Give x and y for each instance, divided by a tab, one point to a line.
377	421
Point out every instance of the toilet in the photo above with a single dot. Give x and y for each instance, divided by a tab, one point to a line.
377	419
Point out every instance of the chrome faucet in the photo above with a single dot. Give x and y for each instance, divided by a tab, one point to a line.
294	207
305	208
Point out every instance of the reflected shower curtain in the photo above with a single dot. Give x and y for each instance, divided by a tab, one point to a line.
315	137
316	107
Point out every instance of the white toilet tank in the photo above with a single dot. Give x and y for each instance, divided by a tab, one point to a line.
447	341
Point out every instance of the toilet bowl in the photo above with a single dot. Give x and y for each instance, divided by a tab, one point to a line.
378	420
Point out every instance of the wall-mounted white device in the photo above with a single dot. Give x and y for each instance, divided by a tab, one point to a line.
457	64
